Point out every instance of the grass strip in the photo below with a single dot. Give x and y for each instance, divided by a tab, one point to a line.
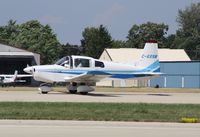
98	111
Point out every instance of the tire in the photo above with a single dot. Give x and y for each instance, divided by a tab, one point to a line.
83	93
44	92
73	91
74	84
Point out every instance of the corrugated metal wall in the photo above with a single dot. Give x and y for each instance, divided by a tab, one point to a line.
178	75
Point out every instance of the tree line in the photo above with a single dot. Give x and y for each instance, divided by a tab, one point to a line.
38	38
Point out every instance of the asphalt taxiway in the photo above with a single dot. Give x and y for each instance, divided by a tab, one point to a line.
52	128
116	97
45	128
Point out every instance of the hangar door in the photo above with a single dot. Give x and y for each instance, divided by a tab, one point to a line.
9	65
174	81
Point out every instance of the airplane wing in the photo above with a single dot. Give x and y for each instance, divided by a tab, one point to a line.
20	76
2	75
96	76
90	76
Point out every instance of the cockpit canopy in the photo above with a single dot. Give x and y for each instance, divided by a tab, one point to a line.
79	62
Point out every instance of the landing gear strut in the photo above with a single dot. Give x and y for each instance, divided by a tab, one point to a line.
72	88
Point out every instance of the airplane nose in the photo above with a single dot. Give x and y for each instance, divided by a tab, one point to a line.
28	70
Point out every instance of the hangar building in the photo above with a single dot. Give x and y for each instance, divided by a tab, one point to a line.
180	71
12	58
179	74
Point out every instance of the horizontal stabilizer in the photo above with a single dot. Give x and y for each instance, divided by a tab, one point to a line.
149	73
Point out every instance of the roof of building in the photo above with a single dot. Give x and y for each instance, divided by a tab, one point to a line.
10	51
125	54
16	54
7	49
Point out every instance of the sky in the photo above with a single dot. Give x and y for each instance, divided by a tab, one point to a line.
68	18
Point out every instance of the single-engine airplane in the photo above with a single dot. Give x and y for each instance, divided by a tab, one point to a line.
81	71
6	79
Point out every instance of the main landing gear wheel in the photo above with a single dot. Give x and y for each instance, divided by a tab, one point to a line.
72	88
83	93
44	92
73	91
81	88
45	88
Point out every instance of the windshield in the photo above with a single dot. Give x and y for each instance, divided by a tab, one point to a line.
63	61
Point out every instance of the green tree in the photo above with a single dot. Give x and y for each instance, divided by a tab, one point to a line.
189	20
95	40
34	37
9	31
188	34
169	41
139	34
69	49
119	44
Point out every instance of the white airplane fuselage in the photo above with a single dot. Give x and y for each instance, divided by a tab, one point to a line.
57	73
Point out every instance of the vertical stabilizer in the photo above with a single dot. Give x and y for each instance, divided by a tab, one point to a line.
149	60
15	75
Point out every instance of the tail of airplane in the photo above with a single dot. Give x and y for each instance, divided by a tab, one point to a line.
15	75
149	60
